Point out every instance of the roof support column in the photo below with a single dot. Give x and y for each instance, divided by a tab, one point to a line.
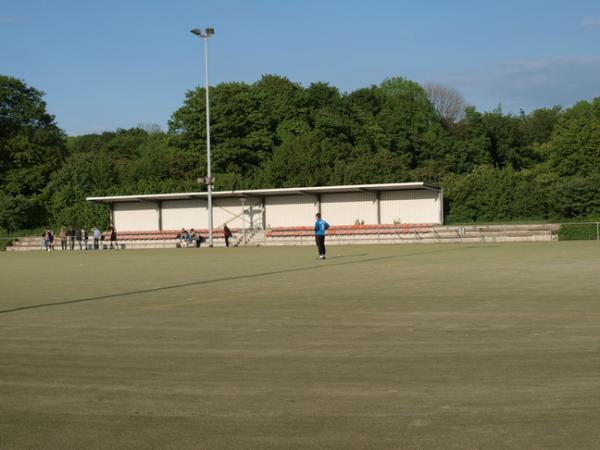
441	197
159	205
378	206
263	205
112	214
319	203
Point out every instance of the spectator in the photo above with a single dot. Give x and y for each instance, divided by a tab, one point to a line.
45	239
78	237
50	237
84	237
227	233
190	239
71	236
196	238
183	238
63	238
113	237
97	234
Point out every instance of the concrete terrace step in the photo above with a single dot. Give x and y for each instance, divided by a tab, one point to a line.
388	234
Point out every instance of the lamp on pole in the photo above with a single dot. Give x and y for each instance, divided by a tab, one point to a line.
205	34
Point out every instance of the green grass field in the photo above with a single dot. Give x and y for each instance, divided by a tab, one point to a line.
432	346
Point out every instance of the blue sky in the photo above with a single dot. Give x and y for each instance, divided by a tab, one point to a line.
114	64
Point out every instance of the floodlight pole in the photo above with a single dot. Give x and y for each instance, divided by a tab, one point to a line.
243	202
205	35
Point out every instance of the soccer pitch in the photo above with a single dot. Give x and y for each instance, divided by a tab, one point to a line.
415	346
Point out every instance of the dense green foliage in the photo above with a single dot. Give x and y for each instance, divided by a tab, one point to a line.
31	149
578	232
275	133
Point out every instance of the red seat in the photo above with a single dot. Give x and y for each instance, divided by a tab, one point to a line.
351	230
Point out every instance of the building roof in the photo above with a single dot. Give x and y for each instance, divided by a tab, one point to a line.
266	192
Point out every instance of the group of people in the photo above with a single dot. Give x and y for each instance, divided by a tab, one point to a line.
190	238
71	236
193	238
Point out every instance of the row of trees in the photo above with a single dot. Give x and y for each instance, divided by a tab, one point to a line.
276	133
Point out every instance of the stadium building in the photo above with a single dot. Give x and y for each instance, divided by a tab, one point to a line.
368	204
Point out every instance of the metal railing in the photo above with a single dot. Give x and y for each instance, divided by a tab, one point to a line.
254	221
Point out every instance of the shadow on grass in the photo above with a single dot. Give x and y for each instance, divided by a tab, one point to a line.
320	265
347	256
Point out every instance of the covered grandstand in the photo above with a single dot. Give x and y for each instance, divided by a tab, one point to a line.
267	209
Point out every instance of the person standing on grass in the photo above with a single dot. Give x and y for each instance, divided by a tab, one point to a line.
71	235
45	239
320	228
97	235
227	233
50	236
62	235
78	238
113	237
84	237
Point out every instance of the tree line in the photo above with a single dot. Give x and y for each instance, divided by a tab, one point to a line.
493	166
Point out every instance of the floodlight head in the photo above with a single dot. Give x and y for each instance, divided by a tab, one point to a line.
210	31
197	32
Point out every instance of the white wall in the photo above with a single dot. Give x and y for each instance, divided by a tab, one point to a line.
411	206
348	207
188	214
290	210
135	216
178	214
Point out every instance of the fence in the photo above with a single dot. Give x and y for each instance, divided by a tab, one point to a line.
32	243
38	243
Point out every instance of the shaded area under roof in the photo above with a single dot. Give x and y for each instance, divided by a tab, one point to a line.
265	192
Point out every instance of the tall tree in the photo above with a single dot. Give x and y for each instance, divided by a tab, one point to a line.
31	148
575	145
447	101
410	121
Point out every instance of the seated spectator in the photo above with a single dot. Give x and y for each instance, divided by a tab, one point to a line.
195	238
183	238
190	241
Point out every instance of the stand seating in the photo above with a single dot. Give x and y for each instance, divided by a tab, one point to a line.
352	230
164	235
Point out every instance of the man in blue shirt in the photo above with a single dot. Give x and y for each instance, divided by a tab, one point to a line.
320	227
